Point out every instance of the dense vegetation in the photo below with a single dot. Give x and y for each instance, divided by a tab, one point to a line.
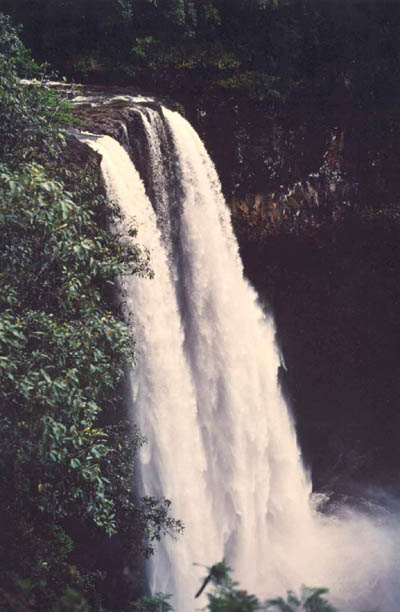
265	81
66	450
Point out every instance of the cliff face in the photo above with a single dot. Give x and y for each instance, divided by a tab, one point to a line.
106	112
307	207
330	275
310	206
329	270
336	304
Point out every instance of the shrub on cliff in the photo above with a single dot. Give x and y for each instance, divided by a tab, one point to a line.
30	116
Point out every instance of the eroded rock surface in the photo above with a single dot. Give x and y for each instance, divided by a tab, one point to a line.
309	206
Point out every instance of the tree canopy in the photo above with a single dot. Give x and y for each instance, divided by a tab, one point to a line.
270	79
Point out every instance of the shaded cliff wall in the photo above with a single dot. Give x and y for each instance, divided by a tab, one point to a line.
307	207
329	269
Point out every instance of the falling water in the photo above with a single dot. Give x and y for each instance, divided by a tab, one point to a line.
221	443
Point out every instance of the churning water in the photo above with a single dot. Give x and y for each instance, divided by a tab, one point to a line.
221	443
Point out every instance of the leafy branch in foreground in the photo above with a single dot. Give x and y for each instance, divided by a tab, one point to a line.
227	596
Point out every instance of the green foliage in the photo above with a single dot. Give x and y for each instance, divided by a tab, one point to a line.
30	116
142	47
71	601
10	42
311	600
16	596
263	67
66	452
226	596
158	603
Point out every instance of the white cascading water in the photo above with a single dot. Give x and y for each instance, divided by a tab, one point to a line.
221	444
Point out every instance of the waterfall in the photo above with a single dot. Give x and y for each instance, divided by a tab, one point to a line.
221	443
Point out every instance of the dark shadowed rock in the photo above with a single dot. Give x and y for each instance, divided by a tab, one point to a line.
308	207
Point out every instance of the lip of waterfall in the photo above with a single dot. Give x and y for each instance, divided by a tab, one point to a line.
92	95
101	98
221	443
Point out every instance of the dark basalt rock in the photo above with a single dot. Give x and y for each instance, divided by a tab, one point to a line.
329	269
306	208
107	119
77	155
335	296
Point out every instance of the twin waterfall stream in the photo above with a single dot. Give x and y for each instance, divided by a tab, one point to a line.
220	441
